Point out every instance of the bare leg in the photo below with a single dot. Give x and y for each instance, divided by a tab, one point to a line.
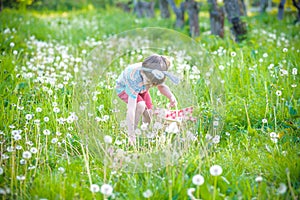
147	116
140	108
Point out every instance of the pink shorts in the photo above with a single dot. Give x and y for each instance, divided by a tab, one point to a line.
141	97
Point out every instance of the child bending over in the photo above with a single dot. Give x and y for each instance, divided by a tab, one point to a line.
133	86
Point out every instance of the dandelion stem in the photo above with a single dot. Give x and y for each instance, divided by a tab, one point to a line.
215	188
290	185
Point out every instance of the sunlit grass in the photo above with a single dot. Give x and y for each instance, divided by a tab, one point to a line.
43	153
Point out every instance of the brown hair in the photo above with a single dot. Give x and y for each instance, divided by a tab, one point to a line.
158	62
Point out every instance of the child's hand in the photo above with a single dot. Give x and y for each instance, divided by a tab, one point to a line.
173	101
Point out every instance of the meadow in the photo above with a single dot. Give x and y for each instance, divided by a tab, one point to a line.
62	128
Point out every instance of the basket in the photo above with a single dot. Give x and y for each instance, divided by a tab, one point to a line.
173	120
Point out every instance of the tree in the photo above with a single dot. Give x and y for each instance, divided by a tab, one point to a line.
297	5
238	28
216	18
179	12
164	9
193	12
144	9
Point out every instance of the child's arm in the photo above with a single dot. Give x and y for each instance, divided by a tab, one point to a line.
130	117
165	90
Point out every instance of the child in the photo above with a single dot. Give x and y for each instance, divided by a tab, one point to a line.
133	86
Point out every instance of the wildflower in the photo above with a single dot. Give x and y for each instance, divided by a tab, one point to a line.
294	71
21	178
265	55
56	110
94	188
106	189
282	188
26	154
233	54
148	164
259	179
284	50
46	119
15	52
28	116
216	139
46	132
12	44
22	162
278	93
215	170
147	194
294	85
33	150
54	140
264	121
105	118
108	139
221	67
273	135
190	192
198	180
17	137
62	170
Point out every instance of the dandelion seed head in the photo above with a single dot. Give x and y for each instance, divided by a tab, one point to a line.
282	188
278	93
26	154
21	178
108	139
106	189
94	188
259	179
264	121
33	150
29	116
147	194
216	170
198	180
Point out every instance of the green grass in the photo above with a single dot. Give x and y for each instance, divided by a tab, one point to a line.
41	93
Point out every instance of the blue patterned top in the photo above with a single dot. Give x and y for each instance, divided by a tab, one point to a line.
131	81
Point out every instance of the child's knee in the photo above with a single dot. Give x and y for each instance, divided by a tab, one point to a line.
141	106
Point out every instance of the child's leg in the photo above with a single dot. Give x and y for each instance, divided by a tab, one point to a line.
140	108
147	116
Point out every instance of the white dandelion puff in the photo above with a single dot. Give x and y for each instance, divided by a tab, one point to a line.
198	180
106	189
147	194
216	170
108	139
26	154
259	179
94	188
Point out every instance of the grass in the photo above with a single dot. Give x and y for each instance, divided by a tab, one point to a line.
53	121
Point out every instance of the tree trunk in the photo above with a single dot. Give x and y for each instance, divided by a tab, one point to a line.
179	12
164	9
124	6
238	28
297	5
193	12
281	9
216	19
243	9
143	9
263	6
